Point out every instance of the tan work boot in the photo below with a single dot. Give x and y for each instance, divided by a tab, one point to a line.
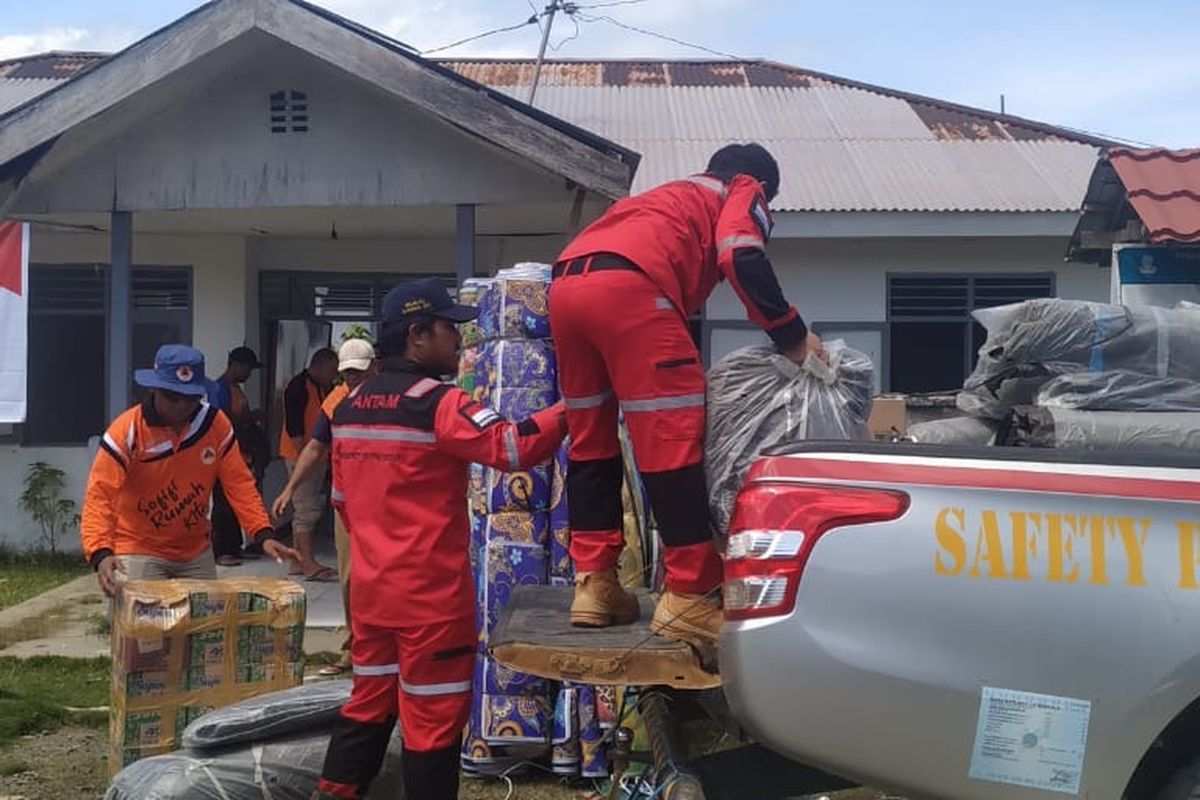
600	601
692	618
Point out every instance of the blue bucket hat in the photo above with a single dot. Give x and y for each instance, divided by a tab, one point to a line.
177	368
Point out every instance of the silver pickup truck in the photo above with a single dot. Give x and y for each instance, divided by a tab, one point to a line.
948	623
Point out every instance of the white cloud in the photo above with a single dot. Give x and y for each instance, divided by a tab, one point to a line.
424	25
15	45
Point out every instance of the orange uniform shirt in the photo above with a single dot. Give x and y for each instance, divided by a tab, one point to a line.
336	395
301	404
150	488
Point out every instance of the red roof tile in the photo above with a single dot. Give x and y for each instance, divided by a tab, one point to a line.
1163	187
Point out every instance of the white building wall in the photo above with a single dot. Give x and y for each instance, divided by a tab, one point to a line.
218	323
845	280
225	313
218	277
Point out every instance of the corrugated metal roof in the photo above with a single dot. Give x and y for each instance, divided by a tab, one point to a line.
22	79
57	65
840	148
1163	186
15	92
842	145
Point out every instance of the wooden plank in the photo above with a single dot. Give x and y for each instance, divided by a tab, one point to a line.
470	109
535	636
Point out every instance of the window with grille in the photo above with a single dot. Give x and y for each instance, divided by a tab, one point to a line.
68	334
289	111
934	341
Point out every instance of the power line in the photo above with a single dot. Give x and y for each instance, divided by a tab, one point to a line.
536	13
657	35
574	34
531	21
612	3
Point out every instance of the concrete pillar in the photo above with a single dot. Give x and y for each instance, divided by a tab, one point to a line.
464	242
120	299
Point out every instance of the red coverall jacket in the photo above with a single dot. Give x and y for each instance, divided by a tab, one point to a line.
688	235
401	445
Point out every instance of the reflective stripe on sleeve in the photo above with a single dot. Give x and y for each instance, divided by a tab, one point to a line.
734	242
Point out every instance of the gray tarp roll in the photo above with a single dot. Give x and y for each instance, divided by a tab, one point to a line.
286	769
1104	430
955	431
1119	390
269	716
1030	343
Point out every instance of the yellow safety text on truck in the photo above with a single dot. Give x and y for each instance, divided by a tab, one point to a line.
1058	548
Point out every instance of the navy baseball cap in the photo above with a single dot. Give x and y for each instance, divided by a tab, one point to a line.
177	368
424	298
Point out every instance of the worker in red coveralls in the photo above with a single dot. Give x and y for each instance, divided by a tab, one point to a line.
619	303
401	444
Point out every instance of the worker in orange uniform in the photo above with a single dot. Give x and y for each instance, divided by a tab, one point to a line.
656	257
401	447
356	361
302	400
145	512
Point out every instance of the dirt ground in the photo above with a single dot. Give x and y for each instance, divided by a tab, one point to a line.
67	764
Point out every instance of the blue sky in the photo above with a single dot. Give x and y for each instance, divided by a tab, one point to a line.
1127	71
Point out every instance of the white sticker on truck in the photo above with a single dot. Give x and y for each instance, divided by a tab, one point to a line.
1027	739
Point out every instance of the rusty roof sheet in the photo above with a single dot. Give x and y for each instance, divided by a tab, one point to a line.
842	145
840	148
22	79
1163	186
51	66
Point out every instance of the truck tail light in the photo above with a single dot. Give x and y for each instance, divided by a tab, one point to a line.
774	529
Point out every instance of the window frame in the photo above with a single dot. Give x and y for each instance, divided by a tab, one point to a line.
968	322
185	317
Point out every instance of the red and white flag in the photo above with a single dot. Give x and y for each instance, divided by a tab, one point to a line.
14	315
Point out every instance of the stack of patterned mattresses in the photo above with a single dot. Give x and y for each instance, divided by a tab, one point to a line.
520	536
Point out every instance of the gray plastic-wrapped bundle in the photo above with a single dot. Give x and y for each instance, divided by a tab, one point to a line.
288	769
310	707
1030	343
758	398
1103	430
1119	390
957	431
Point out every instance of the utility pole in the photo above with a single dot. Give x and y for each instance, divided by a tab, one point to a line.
549	11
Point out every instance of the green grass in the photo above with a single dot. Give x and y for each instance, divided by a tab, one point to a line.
26	575
12	766
36	694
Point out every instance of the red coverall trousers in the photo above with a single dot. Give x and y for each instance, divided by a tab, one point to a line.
422	674
619	340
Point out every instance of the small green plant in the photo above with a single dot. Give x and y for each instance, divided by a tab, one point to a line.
99	624
42	500
358	332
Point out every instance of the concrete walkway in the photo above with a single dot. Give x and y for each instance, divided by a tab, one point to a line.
64	621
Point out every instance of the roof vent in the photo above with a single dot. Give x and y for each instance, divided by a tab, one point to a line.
289	111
